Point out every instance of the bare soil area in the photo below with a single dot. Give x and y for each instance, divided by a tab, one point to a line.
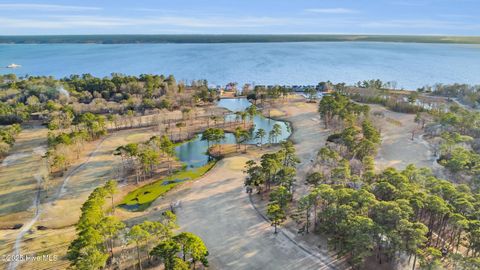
217	208
398	149
18	184
21	174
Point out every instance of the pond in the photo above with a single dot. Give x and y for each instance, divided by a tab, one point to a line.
194	153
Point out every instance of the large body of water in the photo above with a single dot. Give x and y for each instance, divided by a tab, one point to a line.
411	65
193	153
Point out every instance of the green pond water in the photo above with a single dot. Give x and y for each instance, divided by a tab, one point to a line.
193	153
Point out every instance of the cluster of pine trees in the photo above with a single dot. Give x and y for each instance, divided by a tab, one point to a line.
102	238
389	215
352	148
144	158
69	138
7	137
455	134
337	106
275	173
398	213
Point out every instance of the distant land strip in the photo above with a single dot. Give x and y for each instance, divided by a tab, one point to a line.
131	39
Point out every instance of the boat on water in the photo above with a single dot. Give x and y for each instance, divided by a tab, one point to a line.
13	65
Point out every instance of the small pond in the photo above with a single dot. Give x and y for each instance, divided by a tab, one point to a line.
193	153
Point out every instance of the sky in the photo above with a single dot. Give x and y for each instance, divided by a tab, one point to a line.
395	17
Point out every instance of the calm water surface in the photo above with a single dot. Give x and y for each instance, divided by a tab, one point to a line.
410	65
193	153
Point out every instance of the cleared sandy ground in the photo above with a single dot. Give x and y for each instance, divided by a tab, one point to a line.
217	208
18	184
398	149
21	174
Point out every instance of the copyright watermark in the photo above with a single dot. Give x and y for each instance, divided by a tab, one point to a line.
30	258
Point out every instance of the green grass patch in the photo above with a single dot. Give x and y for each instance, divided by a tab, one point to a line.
141	198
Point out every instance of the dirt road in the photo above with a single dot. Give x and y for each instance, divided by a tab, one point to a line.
20	180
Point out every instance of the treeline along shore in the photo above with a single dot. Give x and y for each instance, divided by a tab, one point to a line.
128	39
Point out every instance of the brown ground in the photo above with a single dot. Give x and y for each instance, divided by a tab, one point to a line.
217	208
17	182
398	149
19	175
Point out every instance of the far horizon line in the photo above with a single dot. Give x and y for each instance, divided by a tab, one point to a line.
231	38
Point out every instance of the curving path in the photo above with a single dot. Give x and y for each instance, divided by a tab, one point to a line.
18	240
36	203
217	208
24	168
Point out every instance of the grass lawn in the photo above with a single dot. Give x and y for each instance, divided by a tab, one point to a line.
141	198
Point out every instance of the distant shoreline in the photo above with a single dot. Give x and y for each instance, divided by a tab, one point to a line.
151	39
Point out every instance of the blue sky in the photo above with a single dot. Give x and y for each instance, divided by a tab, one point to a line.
431	17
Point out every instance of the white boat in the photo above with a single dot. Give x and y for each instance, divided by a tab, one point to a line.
12	65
